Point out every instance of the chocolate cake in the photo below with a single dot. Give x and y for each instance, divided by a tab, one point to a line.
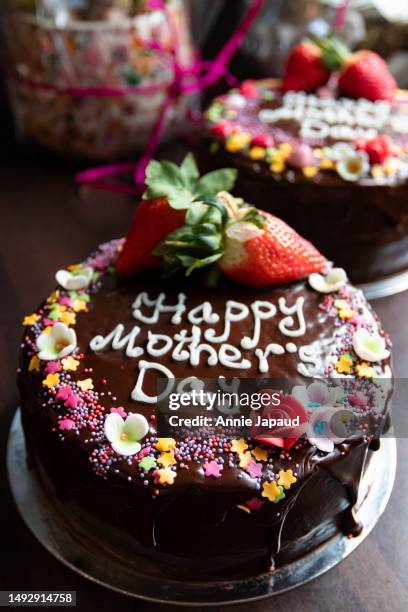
200	507
335	168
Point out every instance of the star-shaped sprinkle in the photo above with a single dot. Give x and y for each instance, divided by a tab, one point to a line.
166	459
64	392
79	305
34	363
31	319
147	463
212	469
166	476
51	299
245	459
259	453
66	424
239	446
346	313
165	444
50	380
69	318
72	401
272	491
344	364
70	364
286	479
254	503
364	370
53	367
254	469
86	384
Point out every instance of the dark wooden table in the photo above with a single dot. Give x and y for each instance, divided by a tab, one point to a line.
47	223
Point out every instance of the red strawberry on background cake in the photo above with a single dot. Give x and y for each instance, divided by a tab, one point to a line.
305	68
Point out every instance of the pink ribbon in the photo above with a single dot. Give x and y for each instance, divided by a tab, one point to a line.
340	16
186	81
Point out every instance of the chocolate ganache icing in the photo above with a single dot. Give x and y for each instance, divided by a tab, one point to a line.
192	507
305	158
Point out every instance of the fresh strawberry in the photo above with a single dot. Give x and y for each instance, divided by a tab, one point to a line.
365	75
152	221
378	149
272	255
171	191
305	69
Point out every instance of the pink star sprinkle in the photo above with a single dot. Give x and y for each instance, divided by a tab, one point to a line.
64	392
213	469
254	503
254	469
66	424
52	367
144	452
48	322
72	401
65	301
120	411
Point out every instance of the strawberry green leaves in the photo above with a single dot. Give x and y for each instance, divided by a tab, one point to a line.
182	185
200	241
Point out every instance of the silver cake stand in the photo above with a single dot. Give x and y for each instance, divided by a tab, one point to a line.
46	521
390	285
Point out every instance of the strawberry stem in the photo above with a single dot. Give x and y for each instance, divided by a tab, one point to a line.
334	52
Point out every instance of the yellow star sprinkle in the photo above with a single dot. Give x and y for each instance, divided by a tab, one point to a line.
377	171
277	166
78	306
47	330
364	370
166	459
166	476
85	384
31	319
244	459
260	454
327	164
346	313
285	148
239	446
344	364
69	363
68	318
310	171
51	299
51	380
271	491
237	142
257	153
286	478
34	363
165	444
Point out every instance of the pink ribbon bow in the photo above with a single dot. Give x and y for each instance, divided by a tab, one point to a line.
186	81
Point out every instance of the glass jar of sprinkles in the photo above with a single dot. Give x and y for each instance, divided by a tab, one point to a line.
87	78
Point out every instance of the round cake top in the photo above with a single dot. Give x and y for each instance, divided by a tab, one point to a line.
93	351
318	137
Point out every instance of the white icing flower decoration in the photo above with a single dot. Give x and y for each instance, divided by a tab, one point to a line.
369	347
77	279
341	150
125	435
315	395
334	280
59	343
324	430
352	167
